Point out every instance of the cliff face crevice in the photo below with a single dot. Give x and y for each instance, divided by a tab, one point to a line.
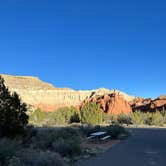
43	95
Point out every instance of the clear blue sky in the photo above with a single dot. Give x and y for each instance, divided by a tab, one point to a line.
87	44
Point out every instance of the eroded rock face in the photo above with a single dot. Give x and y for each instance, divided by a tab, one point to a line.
42	95
113	103
149	104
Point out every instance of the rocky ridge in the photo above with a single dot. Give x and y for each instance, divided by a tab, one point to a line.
45	96
149	104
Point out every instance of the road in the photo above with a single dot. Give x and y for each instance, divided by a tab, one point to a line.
145	147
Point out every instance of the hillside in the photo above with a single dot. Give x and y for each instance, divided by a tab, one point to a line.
40	94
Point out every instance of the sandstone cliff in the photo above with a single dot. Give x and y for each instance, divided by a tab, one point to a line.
114	103
42	95
146	105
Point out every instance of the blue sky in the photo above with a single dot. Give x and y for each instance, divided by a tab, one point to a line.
87	44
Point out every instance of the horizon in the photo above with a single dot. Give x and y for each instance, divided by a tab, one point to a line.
87	45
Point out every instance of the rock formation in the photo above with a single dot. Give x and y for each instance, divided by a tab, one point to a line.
113	103
152	105
39	94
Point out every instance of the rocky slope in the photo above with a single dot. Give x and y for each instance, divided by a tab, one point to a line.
149	104
42	95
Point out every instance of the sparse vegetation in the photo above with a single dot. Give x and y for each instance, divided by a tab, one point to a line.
44	147
139	118
50	146
65	141
61	116
90	114
149	118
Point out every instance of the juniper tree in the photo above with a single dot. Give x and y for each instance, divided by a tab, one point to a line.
13	117
91	114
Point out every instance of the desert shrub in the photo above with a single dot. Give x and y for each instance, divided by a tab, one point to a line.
37	116
86	130
106	118
109	118
93	129
91	114
75	115
116	131
66	147
124	119
30	132
137	118
149	118
163	113
56	118
8	149
63	116
155	119
31	157
65	141
13	117
44	138
14	161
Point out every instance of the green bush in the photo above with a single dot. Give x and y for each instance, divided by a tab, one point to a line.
91	114
155	119
37	117
163	113
137	118
124	119
116	131
149	118
61	116
13	117
64	116
75	115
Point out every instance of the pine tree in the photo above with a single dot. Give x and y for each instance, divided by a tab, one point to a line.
13	117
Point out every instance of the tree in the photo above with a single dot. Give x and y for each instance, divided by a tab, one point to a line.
13	117
63	116
37	117
91	114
